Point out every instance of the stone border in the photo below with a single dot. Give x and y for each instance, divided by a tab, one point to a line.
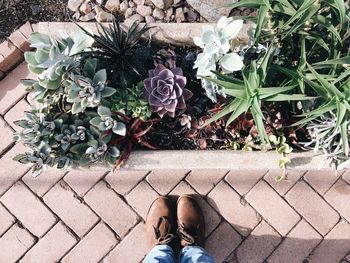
178	34
12	49
220	159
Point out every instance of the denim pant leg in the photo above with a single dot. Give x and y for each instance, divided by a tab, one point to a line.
195	254
160	254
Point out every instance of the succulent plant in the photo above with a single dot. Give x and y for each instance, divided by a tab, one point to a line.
165	90
105	122
215	43
122	51
84	92
38	158
52	61
166	57
35	128
327	137
131	102
98	150
61	140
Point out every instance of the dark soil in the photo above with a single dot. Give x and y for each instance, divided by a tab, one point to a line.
14	13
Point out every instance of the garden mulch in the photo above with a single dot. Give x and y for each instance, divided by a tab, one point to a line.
98	216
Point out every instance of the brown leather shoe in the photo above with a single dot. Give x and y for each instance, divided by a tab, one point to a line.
190	221
160	222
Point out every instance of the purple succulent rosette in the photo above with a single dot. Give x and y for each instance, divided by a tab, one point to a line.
165	90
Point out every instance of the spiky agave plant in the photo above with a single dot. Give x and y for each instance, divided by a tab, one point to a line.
123	51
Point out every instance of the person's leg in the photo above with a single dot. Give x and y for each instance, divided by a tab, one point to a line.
191	229
159	228
160	254
195	254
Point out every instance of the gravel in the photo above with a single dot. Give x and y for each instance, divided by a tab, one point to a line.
14	13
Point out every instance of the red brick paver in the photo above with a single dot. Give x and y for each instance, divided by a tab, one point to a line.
322	180
339	197
15	243
131	249
11	89
259	245
205	180
29	209
106	203
6	219
52	247
240	214
93	247
164	181
312	207
17	113
273	208
302	239
335	246
101	220
6	135
64	202
224	234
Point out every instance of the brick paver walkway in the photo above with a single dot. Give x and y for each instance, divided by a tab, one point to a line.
97	216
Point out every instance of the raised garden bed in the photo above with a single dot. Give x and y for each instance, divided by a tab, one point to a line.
250	109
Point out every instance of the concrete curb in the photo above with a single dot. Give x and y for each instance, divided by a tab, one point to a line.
179	34
228	160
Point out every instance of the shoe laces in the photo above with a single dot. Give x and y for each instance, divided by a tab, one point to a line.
188	234
163	240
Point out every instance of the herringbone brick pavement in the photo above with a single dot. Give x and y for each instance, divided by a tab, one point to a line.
97	216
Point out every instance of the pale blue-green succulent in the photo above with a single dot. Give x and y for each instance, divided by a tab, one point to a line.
87	92
217	54
52	61
105	122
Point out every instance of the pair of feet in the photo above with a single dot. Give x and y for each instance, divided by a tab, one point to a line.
164	223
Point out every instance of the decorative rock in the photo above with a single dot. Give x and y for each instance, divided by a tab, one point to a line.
113	6
35	9
100	2
85	8
123	6
76	15
98	9
88	17
131	4
104	17
177	2
158	14
74	4
192	16
211	10
150	19
129	12
144	10
163	4
179	15
133	18
139	2
169	13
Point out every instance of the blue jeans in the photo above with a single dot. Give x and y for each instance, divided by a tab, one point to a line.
189	254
